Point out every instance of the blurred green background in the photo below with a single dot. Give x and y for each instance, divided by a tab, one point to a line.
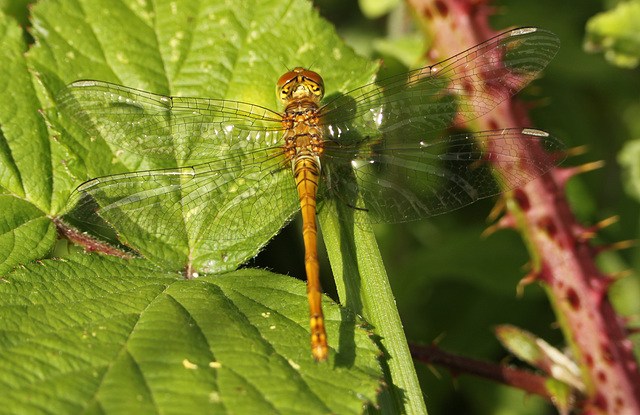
453	285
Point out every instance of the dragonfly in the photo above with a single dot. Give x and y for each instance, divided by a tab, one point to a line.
238	171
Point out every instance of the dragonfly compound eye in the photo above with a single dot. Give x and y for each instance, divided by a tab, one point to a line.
299	82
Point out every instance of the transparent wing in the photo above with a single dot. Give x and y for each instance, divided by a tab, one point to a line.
403	180
177	128
383	133
208	208
448	93
377	134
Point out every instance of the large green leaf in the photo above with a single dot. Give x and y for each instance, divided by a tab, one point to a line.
26	166
26	173
100	334
207	49
131	338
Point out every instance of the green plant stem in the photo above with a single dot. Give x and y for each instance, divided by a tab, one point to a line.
363	287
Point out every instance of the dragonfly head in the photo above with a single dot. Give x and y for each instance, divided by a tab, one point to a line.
300	83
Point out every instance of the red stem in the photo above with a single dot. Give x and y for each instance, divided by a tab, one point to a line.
456	364
89	243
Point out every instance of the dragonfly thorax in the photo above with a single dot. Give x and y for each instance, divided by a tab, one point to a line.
300	84
302	132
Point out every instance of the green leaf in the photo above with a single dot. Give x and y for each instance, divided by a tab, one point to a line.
540	354
562	396
17	9
26	234
25	156
26	173
94	333
219	51
363	286
209	49
616	33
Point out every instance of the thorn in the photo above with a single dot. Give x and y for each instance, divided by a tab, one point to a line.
617	246
594	165
454	381
633	330
490	231
625	244
614	247
530	278
606	222
563	175
626	322
497	210
619	275
577	151
438	339
527	266
435	372
589	232
505	361
508	221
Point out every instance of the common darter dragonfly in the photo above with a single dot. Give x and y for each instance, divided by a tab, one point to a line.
241	170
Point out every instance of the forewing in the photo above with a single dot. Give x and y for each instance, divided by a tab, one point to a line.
177	128
448	93
403	180
212	216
